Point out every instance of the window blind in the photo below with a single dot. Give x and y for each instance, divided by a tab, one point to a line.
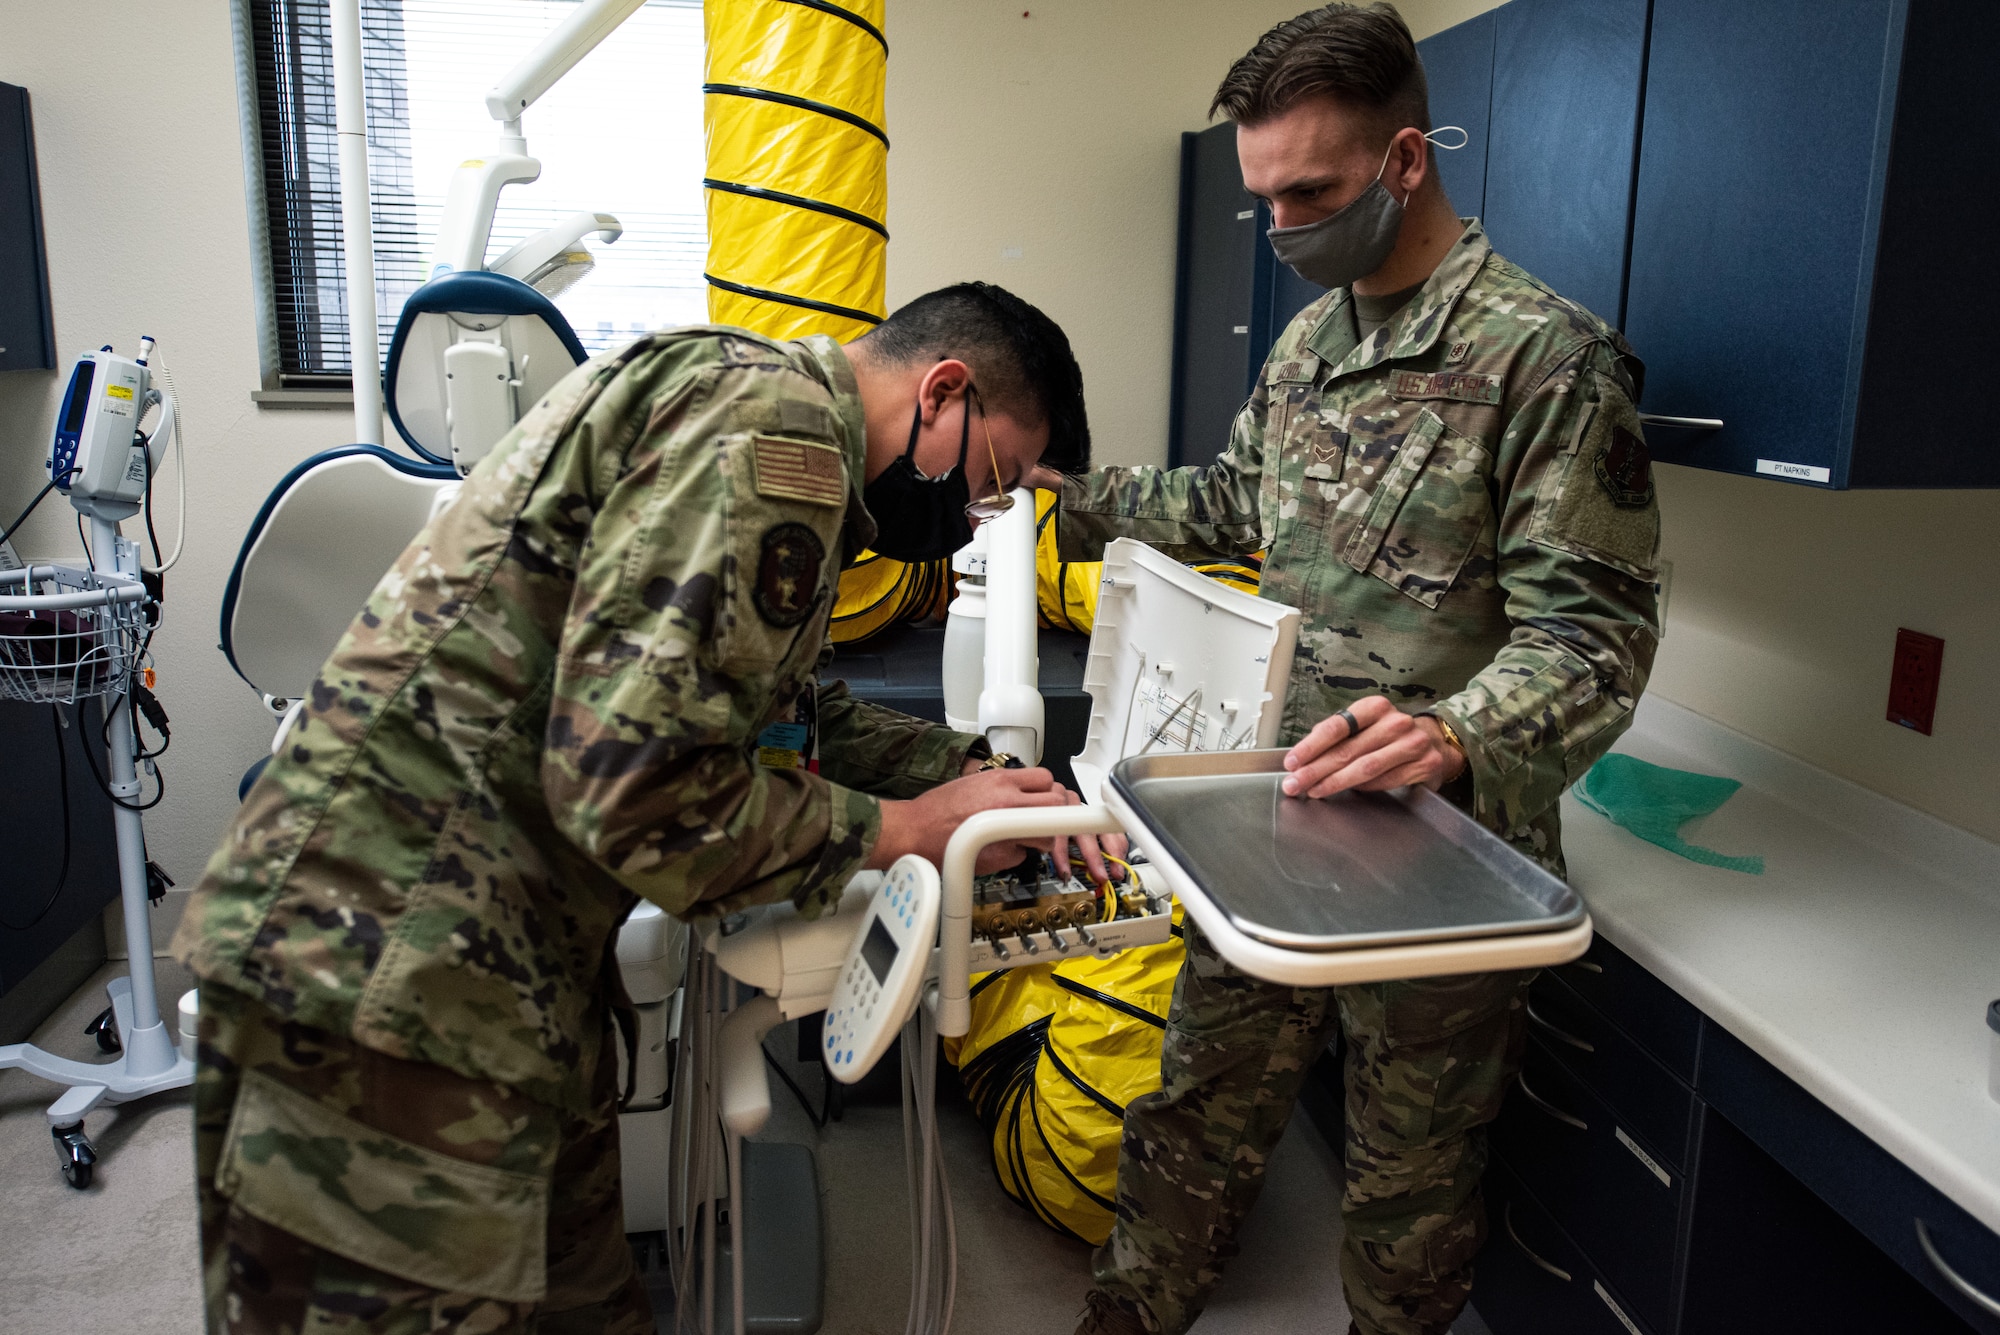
620	134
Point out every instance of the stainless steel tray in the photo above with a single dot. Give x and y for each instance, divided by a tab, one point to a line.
1350	871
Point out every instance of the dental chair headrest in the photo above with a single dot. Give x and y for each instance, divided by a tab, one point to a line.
445	311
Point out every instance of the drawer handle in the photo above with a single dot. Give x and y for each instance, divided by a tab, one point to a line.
1507	1218
1588	966
1561	1035
1547	1107
1692	423
1952	1277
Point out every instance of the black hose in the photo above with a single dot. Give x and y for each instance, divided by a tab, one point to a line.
104	784
818	1119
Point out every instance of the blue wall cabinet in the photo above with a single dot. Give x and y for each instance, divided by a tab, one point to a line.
1214	352
1458	63
1231	297
1807	258
1564	141
1548	92
27	334
1651	1173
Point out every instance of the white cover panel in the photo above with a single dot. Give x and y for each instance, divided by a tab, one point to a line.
1179	662
328	542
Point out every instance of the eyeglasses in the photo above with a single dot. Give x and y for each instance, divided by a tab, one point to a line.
999	503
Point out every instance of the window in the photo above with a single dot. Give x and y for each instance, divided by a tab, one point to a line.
621	134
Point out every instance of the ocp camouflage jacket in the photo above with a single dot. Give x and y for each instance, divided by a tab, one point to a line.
1461	507
550	705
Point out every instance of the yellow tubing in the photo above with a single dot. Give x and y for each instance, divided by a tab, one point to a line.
1052	1051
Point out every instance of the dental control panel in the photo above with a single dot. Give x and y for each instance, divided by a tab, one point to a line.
883	977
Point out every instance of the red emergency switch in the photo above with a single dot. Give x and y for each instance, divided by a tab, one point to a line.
1913	682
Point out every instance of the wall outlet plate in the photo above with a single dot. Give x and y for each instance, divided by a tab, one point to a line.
1913	681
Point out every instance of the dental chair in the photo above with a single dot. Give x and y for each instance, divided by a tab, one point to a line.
472	351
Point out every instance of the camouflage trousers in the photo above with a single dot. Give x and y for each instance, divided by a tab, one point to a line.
344	1192
1428	1062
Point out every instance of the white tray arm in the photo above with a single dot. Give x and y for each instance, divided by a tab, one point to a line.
955	917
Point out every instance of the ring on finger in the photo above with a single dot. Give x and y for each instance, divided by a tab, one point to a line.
1347	716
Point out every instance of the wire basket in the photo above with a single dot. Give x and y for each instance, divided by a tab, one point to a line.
68	634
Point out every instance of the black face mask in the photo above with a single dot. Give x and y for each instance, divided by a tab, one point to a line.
921	518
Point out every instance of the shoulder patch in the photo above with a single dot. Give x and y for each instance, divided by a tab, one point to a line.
800	470
738	350
1625	468
788	571
1459	386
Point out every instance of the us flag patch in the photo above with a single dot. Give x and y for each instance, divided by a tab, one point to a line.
799	470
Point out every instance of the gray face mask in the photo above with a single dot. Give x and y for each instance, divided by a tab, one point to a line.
1353	242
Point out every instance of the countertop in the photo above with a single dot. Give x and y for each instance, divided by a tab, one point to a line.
1860	963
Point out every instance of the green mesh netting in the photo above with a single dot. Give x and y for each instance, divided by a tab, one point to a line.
1653	802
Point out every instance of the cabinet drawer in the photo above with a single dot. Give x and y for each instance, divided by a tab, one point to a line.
1570	1151
1644	1007
1867	1185
1531	1279
1645	1096
1752	1221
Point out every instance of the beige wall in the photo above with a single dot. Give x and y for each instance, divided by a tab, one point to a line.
1782	623
1056	135
143	208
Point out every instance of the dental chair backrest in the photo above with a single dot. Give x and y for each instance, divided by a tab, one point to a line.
468	349
316	550
336	523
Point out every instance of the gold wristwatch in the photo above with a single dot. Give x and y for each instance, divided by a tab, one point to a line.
1001	760
1451	736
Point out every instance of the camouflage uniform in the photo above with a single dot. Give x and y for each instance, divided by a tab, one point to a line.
1462	508
549	707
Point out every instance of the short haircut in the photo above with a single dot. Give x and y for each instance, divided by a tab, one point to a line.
1021	361
1362	56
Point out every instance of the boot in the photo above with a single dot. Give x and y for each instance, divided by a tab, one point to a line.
1105	1315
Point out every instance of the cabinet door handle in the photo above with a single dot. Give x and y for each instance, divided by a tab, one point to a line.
1547	1107
1588	966
1561	1035
1691	423
1507	1218
1952	1277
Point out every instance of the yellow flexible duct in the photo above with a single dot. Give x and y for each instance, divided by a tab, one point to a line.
798	165
798	198
1054	1054
1066	591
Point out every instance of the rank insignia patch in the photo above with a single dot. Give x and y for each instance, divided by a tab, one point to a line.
799	470
1626	470
788	575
